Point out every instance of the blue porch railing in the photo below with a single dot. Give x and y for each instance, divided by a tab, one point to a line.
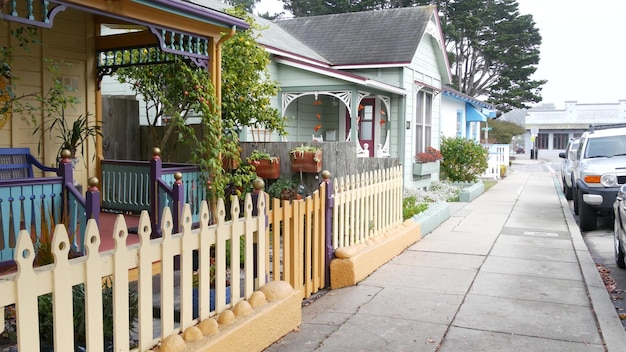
37	204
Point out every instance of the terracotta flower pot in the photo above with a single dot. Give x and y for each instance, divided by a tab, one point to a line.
269	169
306	161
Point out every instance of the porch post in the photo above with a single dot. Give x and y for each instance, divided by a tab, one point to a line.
178	198
328	221
92	200
153	191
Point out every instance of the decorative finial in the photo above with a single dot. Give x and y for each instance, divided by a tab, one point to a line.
258	184
178	176
93	182
66	154
156	151
325	174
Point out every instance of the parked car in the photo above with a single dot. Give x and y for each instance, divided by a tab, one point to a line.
598	174
568	162
619	227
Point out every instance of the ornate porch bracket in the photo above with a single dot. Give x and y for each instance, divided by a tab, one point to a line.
110	61
288	98
49	10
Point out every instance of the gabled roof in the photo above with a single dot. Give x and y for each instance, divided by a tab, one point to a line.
361	38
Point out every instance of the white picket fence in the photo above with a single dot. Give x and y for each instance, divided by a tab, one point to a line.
366	205
498	157
23	288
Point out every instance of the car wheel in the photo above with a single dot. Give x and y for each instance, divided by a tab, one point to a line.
587	218
619	253
569	193
575	202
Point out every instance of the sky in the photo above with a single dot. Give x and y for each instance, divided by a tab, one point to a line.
581	50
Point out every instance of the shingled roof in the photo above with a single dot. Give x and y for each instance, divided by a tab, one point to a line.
360	38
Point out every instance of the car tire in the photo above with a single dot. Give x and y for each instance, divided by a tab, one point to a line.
568	191
587	217
619	253
575	201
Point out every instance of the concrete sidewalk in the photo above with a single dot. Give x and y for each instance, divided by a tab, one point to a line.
507	272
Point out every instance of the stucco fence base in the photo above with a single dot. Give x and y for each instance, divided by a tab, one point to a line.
252	325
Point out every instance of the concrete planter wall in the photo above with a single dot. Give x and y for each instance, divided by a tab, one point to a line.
432	217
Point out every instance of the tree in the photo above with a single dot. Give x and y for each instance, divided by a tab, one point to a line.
247	5
502	132
179	90
492	49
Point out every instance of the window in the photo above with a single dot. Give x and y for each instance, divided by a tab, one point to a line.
423	120
459	123
560	140
542	141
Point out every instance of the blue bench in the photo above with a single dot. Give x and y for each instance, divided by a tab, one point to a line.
18	163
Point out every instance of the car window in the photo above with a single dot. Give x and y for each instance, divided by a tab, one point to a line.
606	147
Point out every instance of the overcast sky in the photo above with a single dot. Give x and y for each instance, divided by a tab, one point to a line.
583	56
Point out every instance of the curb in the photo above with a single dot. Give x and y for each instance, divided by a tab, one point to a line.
609	324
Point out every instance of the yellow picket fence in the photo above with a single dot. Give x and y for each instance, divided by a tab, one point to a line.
209	242
296	242
288	240
366	205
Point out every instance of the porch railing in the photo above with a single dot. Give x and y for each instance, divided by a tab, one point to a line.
127	186
37	204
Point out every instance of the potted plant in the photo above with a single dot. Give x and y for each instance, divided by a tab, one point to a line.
284	188
427	162
72	135
265	165
306	158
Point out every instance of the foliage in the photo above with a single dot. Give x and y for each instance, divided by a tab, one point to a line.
416	201
463	159
411	207
502	132
299	151
259	155
430	155
283	188
74	137
246	85
493	50
247	5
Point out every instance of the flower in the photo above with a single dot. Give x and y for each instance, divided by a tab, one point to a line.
430	155
317	127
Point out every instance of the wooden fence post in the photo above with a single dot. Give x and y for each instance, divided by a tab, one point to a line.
258	184
178	199
330	198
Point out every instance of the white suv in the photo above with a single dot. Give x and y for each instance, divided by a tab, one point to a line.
569	157
600	170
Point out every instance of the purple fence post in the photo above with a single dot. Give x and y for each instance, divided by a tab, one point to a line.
178	200
330	203
153	191
92	200
65	168
258	186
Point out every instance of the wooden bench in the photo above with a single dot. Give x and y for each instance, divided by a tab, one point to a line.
18	163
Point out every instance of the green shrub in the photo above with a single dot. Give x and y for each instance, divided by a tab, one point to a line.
410	207
463	159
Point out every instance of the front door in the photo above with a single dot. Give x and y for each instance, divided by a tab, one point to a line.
366	125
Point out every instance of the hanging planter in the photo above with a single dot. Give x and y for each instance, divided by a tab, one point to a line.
427	162
306	159
422	169
265	166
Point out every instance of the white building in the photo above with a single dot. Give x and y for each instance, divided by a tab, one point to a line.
551	129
